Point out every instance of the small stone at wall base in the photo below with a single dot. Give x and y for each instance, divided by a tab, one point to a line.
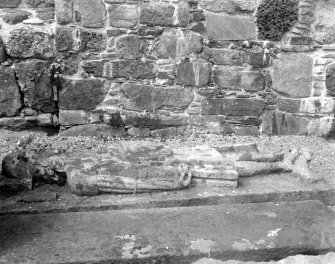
15	16
165	132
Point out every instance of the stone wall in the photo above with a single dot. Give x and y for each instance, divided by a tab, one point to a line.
168	67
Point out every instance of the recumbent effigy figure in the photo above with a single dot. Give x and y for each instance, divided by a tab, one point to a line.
131	167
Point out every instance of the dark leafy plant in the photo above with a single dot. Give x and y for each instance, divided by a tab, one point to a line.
275	17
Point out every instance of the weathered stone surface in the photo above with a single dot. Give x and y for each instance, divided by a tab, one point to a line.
15	16
199	28
325	24
142	97
183	14
123	16
81	94
175	43
40	3
64	38
95	130
165	132
92	40
157	14
64	11
73	117
298	259
230	6
133	69
227	56
128	47
95	67
256	59
292	75
46	14
289	105
138	132
9	3
145	31
20	123
93	13
223	27
278	123
194	73
10	98
3	55
227	77
330	79
232	107
35	85
26	42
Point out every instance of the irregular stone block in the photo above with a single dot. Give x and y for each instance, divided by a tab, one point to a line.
128	47
330	79
64	38
224	27
9	3
232	106
73	117
92	40
91	130
64	11
46	14
157	14
289	105
165	132
15	16
323	14
175	43
257	59
138	132
146	97
292	75
35	85
227	77
227	56
93	13
10	98
145	31
230	6
123	16
194	73
95	67
278	123
81	94
26	42
133	69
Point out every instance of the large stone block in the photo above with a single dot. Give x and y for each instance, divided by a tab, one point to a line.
73	117
175	43
224	27
227	56
128	47
64	38
9	3
147	97
123	16
292	75
95	67
325	23
134	69
81	94
15	16
26	42
35	85
195	73
10	99
64	11
93	40
93	13
232	78
278	123
232	106
157	14
330	79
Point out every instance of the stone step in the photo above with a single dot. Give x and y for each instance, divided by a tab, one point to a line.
248	232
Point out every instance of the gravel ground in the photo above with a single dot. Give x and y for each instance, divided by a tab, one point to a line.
323	150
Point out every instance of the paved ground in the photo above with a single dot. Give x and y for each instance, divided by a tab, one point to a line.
255	232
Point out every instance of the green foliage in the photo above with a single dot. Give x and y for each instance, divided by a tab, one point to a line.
116	120
55	72
275	17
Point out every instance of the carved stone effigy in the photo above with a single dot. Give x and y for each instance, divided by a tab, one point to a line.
130	167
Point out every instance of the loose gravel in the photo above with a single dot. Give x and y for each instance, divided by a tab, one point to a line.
323	159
